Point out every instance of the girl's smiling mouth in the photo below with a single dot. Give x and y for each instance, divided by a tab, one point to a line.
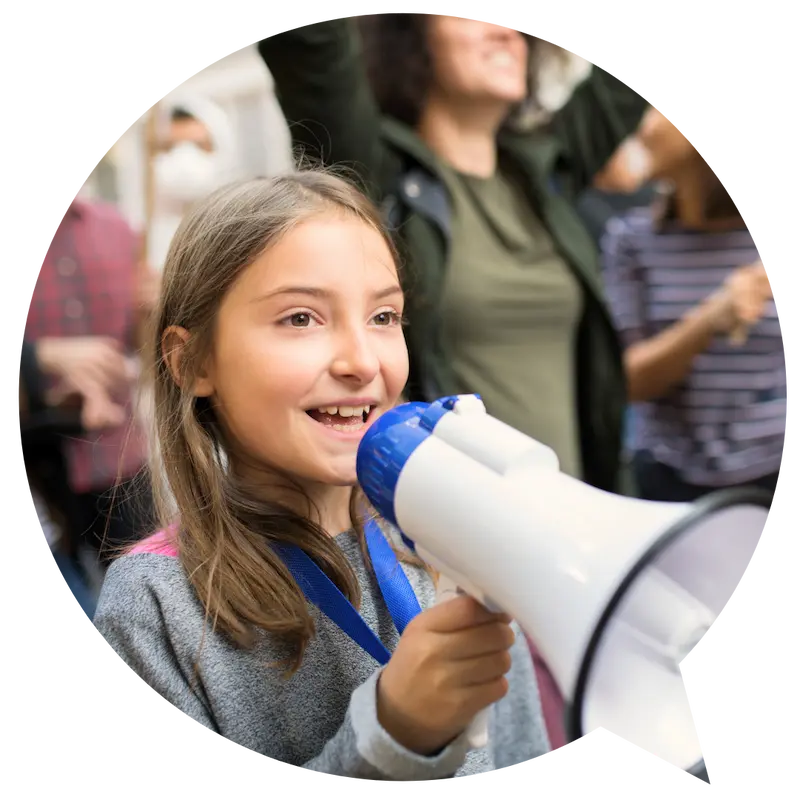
344	418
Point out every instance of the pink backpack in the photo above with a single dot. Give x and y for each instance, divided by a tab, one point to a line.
161	543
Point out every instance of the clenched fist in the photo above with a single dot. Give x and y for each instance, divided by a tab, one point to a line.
739	303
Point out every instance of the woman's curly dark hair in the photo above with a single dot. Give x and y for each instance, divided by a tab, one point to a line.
400	68
398	63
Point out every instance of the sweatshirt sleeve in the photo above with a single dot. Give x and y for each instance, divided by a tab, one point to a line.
322	86
129	616
600	115
363	749
134	618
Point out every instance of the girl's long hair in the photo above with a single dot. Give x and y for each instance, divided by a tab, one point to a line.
225	532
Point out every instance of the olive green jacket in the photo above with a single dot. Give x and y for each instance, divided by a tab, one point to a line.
322	86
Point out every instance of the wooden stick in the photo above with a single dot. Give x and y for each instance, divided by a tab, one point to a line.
150	142
146	288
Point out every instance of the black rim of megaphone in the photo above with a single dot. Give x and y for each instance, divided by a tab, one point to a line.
711	502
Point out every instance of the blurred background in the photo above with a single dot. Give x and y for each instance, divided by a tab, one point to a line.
700	413
235	108
238	93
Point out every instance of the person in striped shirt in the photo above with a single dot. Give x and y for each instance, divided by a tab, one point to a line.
703	349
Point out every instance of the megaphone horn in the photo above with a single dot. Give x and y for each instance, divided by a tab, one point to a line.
614	591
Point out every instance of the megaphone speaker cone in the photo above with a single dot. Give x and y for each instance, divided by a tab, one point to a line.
629	681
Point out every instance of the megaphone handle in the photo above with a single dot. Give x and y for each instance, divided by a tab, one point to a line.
478	730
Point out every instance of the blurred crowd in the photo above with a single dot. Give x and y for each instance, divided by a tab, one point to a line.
620	313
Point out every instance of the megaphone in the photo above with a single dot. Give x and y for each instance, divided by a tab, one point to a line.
614	591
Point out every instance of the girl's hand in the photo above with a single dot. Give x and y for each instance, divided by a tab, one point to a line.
450	664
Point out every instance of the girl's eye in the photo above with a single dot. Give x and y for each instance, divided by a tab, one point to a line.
301	319
386	318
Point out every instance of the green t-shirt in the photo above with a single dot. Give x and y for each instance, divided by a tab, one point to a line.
510	311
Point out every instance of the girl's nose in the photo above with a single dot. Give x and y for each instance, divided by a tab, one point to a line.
356	360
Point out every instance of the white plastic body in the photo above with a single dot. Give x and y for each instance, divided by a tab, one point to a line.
529	533
478	731
488	507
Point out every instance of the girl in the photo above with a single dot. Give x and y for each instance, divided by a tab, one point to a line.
704	353
278	342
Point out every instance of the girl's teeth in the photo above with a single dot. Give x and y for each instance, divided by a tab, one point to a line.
348	428
344	411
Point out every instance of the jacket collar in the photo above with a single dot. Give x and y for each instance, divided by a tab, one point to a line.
537	147
537	155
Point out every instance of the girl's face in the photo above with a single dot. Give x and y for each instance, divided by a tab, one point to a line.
477	61
309	350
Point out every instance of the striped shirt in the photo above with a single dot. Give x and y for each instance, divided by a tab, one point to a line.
724	424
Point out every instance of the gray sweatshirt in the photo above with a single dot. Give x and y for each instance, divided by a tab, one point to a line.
322	718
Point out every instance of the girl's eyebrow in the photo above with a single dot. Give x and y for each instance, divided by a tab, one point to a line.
318	292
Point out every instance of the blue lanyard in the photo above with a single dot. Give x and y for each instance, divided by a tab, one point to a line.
320	590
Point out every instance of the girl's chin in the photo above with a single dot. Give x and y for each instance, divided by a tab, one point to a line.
344	478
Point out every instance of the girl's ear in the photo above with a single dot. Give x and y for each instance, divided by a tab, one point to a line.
173	345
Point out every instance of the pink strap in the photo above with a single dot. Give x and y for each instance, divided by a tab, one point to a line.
159	544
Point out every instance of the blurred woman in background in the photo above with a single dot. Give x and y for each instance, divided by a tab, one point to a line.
704	355
439	115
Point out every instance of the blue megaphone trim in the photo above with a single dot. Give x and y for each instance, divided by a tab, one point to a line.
387	446
383	452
